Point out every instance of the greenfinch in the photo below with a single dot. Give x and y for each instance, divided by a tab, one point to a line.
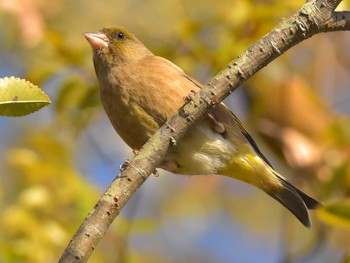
141	91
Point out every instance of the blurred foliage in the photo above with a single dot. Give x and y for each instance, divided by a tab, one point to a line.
298	108
336	213
19	97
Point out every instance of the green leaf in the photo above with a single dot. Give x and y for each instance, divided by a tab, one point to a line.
19	97
336	213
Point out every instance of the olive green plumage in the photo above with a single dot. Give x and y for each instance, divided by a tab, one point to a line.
140	91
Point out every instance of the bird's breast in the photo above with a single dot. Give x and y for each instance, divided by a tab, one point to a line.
131	121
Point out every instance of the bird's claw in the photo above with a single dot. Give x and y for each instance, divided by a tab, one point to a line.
190	95
217	125
124	165
135	151
155	173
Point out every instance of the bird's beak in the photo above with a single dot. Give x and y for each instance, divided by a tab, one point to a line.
97	40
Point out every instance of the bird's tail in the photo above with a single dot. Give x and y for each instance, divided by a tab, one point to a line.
295	200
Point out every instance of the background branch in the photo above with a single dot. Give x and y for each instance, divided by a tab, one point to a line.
314	17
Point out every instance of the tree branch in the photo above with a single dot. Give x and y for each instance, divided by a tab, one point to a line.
339	21
314	17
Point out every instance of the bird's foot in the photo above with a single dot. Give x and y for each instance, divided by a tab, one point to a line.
124	165
217	125
190	96
155	173
135	151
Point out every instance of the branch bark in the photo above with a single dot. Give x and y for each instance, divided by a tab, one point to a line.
314	17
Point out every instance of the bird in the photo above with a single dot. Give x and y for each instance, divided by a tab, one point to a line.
141	91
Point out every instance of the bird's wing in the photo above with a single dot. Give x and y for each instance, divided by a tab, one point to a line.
231	122
177	88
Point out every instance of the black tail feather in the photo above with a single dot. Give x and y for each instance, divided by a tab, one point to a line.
310	202
295	201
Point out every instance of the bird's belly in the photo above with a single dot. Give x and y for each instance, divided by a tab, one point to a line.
204	152
201	151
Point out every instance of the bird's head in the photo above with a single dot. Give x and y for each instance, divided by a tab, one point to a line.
115	45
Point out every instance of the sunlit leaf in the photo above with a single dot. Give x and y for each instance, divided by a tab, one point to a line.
19	97
336	213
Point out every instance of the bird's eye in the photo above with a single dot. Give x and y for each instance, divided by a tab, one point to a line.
120	35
